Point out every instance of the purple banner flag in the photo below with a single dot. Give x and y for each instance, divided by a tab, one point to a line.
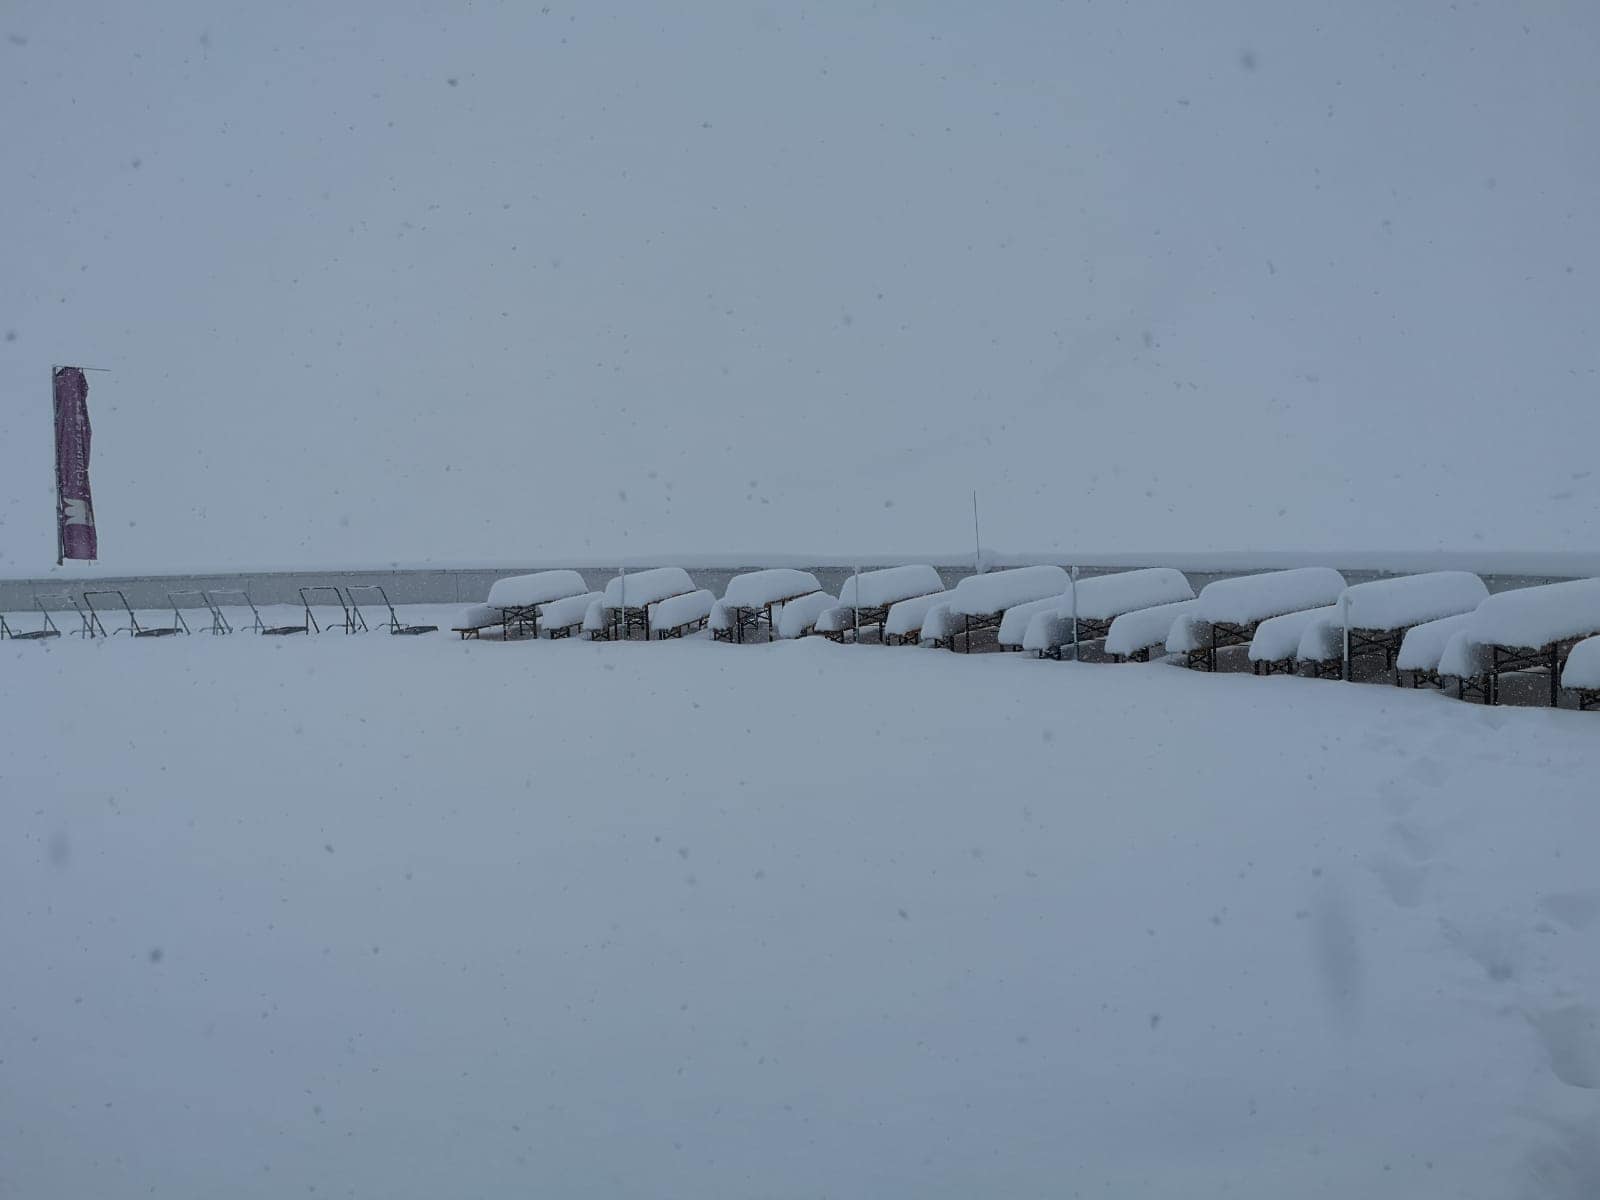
74	507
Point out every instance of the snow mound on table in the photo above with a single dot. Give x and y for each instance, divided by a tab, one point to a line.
1423	645
1018	617
681	609
1105	597
757	589
1464	657
940	624
906	616
595	618
1145	627
1277	638
1191	631
644	588
837	619
722	616
1412	599
1323	639
1536	616
519	591
477	616
1250	598
1583	665
800	615
568	611
890	585
984	595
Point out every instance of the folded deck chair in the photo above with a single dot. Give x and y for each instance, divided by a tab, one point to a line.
395	624
47	628
257	625
133	628
351	620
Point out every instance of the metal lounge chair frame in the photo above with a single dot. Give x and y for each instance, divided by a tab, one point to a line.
134	629
353	622
257	625
396	626
46	630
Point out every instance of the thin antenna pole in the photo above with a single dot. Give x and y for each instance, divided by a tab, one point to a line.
1075	614
855	604
622	606
977	544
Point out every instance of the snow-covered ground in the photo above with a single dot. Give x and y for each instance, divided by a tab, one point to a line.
413	917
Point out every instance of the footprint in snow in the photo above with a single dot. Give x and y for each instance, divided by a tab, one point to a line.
1575	910
1402	881
1570	1036
1496	948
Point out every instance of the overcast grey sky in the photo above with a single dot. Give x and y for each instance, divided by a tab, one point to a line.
501	281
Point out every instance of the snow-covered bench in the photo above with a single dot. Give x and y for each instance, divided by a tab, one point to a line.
1190	636
1581	675
1097	602
628	598
518	597
980	601
1470	663
597	621
1535	627
835	622
1423	647
903	624
681	614
1235	607
562	618
881	590
939	627
1380	612
1321	647
800	615
1275	645
475	618
1018	619
751	598
1134	634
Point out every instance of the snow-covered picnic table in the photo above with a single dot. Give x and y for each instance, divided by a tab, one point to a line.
681	614
627	598
518	597
1095	603
752	598
1235	607
903	624
1275	646
1380	612
798	616
1423	646
1531	628
980	601
881	590
1134	634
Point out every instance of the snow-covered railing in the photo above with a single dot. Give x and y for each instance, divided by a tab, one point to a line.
1234	607
681	614
1134	634
799	616
1531	628
752	598
903	623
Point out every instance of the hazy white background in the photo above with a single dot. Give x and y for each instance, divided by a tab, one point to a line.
454	282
